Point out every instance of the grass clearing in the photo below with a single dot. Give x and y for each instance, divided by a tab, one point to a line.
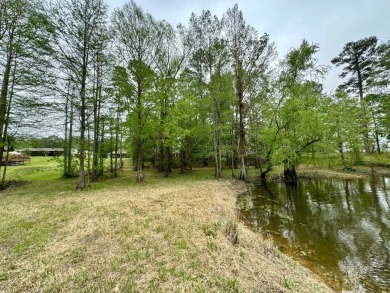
171	234
39	168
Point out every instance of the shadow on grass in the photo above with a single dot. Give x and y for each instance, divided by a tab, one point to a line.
12	183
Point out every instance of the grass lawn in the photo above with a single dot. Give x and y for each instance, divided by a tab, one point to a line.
173	234
40	168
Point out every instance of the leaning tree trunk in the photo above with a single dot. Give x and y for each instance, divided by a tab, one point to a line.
263	173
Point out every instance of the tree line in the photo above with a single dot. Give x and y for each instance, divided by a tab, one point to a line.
213	91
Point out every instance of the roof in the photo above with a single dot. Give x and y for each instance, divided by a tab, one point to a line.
41	150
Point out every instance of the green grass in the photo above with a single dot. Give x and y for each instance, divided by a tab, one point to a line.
48	169
39	168
377	159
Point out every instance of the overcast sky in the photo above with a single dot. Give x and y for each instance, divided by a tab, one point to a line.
329	23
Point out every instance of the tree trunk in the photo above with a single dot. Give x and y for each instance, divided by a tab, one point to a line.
66	132
234	138
4	93
96	118
217	139
263	177
290	175
376	135
242	143
161	155
139	136
140	176
69	172
111	152
378	145
5	163
167	161
6	138
82	183
241	117
88	149
365	116
101	154
263	173
160	162
164	157
83	115
341	150
121	163
181	162
116	145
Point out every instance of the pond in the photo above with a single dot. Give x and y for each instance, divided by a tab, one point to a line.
338	228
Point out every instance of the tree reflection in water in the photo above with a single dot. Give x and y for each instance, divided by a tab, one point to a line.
337	226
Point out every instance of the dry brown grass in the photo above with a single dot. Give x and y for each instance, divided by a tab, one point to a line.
170	237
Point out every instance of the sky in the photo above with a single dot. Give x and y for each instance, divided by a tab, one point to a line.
328	23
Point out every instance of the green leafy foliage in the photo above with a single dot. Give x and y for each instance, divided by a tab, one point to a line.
212	93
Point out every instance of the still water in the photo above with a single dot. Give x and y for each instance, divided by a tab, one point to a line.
338	228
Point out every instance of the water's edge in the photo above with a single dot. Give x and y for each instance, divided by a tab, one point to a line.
337	226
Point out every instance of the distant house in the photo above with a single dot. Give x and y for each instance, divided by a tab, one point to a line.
51	152
121	154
